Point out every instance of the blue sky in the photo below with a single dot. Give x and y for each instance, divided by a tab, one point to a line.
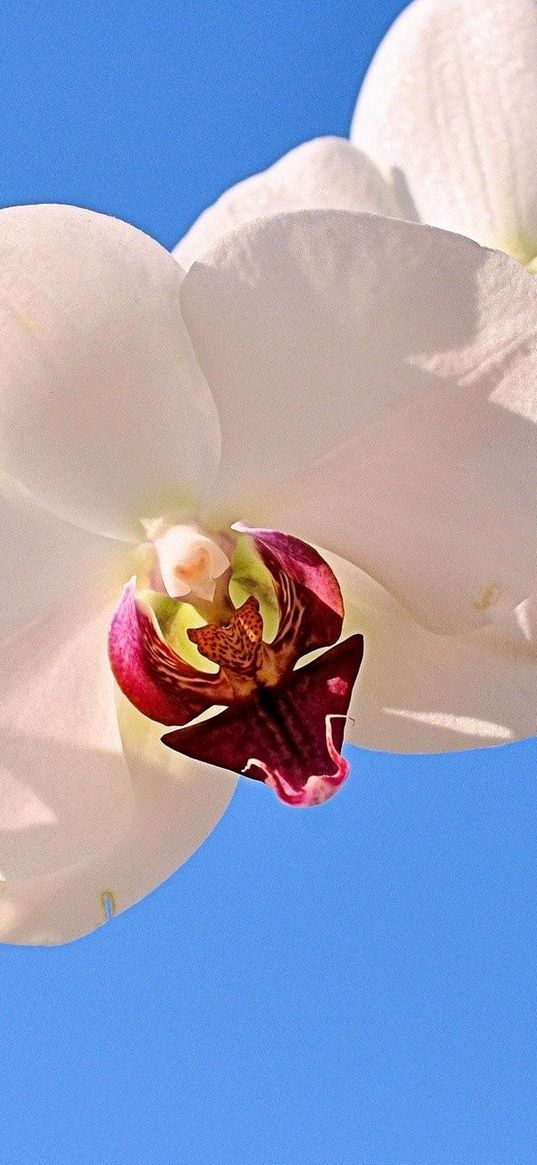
355	985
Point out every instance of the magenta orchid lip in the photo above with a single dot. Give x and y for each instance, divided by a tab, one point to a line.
282	725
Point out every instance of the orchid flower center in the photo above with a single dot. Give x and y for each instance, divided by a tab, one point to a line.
190	561
282	725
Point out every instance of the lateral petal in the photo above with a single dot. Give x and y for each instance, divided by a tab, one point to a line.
418	692
104	414
391	370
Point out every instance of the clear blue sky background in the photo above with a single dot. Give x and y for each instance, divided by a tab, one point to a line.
352	986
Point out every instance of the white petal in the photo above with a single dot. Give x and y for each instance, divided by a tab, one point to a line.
103	412
376	383
421	692
447	113
45	561
62	797
325	172
83	833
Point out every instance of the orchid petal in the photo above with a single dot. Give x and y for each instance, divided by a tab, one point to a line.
326	172
418	692
176	804
447	113
80	824
62	795
46	562
393	369
104	414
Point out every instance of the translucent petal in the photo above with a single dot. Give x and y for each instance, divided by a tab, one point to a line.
77	821
62	795
325	172
447	113
420	692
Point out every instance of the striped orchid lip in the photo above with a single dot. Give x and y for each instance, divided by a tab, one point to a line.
281	725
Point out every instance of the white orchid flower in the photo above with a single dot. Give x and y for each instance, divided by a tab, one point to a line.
447	114
362	384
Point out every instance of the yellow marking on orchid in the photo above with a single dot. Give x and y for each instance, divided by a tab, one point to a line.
108	903
489	596
523	250
174	619
28	322
22	317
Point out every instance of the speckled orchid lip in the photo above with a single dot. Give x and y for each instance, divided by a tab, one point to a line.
282	725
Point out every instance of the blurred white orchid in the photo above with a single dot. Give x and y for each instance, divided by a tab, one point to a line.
362	383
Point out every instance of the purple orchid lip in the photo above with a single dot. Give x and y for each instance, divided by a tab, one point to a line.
282	725
288	736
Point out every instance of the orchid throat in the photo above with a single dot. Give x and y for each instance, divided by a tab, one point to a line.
280	724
